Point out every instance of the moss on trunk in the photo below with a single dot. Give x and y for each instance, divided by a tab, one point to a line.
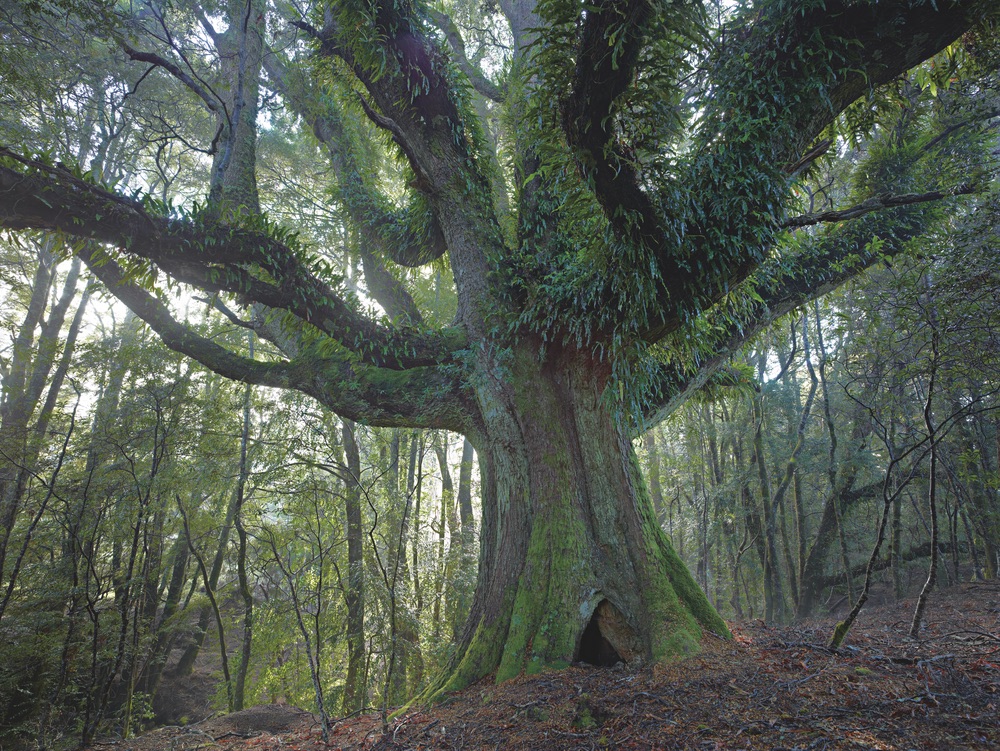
573	561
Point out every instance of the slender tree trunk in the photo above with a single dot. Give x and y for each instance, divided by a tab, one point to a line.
831	428
977	509
178	558
241	52
801	535
774	596
825	536
970	535
897	564
37	440
185	665
952	511
403	629
449	560
751	512
355	682
58	378
214	603
717	477
418	495
246	592
312	649
925	591
462	591
85	539
888	498
16	405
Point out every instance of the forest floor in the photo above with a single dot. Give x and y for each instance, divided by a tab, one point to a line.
769	688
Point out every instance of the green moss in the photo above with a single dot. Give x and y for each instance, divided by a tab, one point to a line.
537	714
679	643
537	665
542	632
685	607
478	660
838	634
545	620
523	622
688	590
587	715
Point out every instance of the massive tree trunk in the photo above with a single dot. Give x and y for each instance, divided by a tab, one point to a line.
573	563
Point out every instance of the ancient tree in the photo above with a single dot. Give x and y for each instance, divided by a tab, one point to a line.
614	199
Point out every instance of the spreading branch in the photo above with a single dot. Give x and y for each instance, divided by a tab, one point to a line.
409	85
387	290
608	54
213	102
781	285
871	44
410	96
214	257
886	201
809	157
387	231
423	397
955	127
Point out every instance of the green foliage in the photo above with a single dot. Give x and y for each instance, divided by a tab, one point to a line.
514	262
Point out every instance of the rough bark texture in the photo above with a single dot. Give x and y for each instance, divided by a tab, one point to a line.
568	531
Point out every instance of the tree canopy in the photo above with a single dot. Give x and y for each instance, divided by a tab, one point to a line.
616	190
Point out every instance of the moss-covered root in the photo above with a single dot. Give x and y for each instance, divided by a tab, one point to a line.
839	634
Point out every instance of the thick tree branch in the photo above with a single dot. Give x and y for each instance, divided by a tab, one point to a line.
217	304
214	257
876	42
407	78
177	336
783	284
608	53
772	96
388	292
809	157
979	118
206	24
421	397
874	204
411	96
210	99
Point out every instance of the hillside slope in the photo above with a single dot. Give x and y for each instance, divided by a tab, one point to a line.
770	688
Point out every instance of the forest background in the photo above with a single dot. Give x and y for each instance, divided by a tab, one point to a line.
159	517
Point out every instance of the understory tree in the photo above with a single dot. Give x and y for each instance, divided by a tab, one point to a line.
611	187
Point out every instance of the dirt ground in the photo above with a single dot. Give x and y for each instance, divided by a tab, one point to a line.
769	688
